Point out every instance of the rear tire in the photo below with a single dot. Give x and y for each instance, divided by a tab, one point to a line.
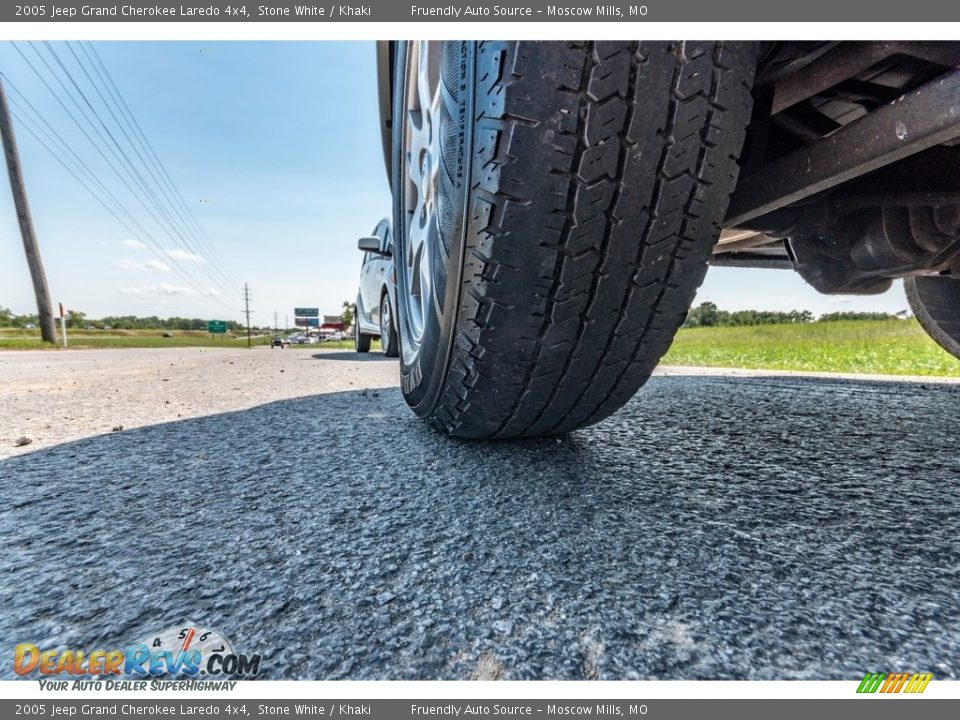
389	342
555	205
359	339
935	300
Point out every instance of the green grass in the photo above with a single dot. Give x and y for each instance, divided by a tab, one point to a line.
20	339
880	347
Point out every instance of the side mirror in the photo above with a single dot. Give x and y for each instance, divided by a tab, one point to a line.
372	245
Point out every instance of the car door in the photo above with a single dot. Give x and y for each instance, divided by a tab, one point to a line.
363	295
371	281
382	266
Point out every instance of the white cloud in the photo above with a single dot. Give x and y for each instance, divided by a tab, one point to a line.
158	289
128	264
133	244
178	254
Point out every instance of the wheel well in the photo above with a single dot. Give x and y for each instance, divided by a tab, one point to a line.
385	55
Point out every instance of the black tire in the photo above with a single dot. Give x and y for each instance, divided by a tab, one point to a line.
576	214
389	342
935	300
359	339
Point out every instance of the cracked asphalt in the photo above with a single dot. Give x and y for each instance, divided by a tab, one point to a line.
716	528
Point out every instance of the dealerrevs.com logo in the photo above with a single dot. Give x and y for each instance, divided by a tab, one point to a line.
185	650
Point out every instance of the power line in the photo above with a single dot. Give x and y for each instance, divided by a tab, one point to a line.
166	255
63	146
26	126
127	137
55	138
91	52
81	167
134	172
177	211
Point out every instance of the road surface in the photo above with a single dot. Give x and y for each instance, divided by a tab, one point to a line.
750	527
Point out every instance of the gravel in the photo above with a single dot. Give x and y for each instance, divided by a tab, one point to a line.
51	397
717	527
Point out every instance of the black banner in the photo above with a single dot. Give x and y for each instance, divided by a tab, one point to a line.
739	11
114	709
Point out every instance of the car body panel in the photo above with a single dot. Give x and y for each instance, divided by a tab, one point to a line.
376	277
385	54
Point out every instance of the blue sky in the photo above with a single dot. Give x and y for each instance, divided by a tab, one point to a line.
275	149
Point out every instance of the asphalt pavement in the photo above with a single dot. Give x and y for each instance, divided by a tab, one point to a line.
715	528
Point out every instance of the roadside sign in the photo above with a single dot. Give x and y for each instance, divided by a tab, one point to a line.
217	326
300	322
306	312
313	322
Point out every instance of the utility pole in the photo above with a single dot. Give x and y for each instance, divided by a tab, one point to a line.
40	289
63	326
246	302
275	330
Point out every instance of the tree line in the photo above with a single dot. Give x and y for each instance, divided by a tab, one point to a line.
707	314
79	320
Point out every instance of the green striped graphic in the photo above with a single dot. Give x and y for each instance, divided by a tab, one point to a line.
871	682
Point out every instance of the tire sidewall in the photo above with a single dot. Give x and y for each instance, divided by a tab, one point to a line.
361	342
914	288
388	339
423	368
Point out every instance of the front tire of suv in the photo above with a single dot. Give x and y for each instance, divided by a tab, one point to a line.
555	205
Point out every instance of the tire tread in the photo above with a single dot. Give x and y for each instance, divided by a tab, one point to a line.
582	262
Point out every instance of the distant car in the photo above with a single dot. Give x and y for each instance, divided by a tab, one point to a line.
296	340
377	296
277	341
168	334
29	326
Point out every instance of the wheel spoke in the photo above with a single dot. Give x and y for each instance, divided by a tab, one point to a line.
422	105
